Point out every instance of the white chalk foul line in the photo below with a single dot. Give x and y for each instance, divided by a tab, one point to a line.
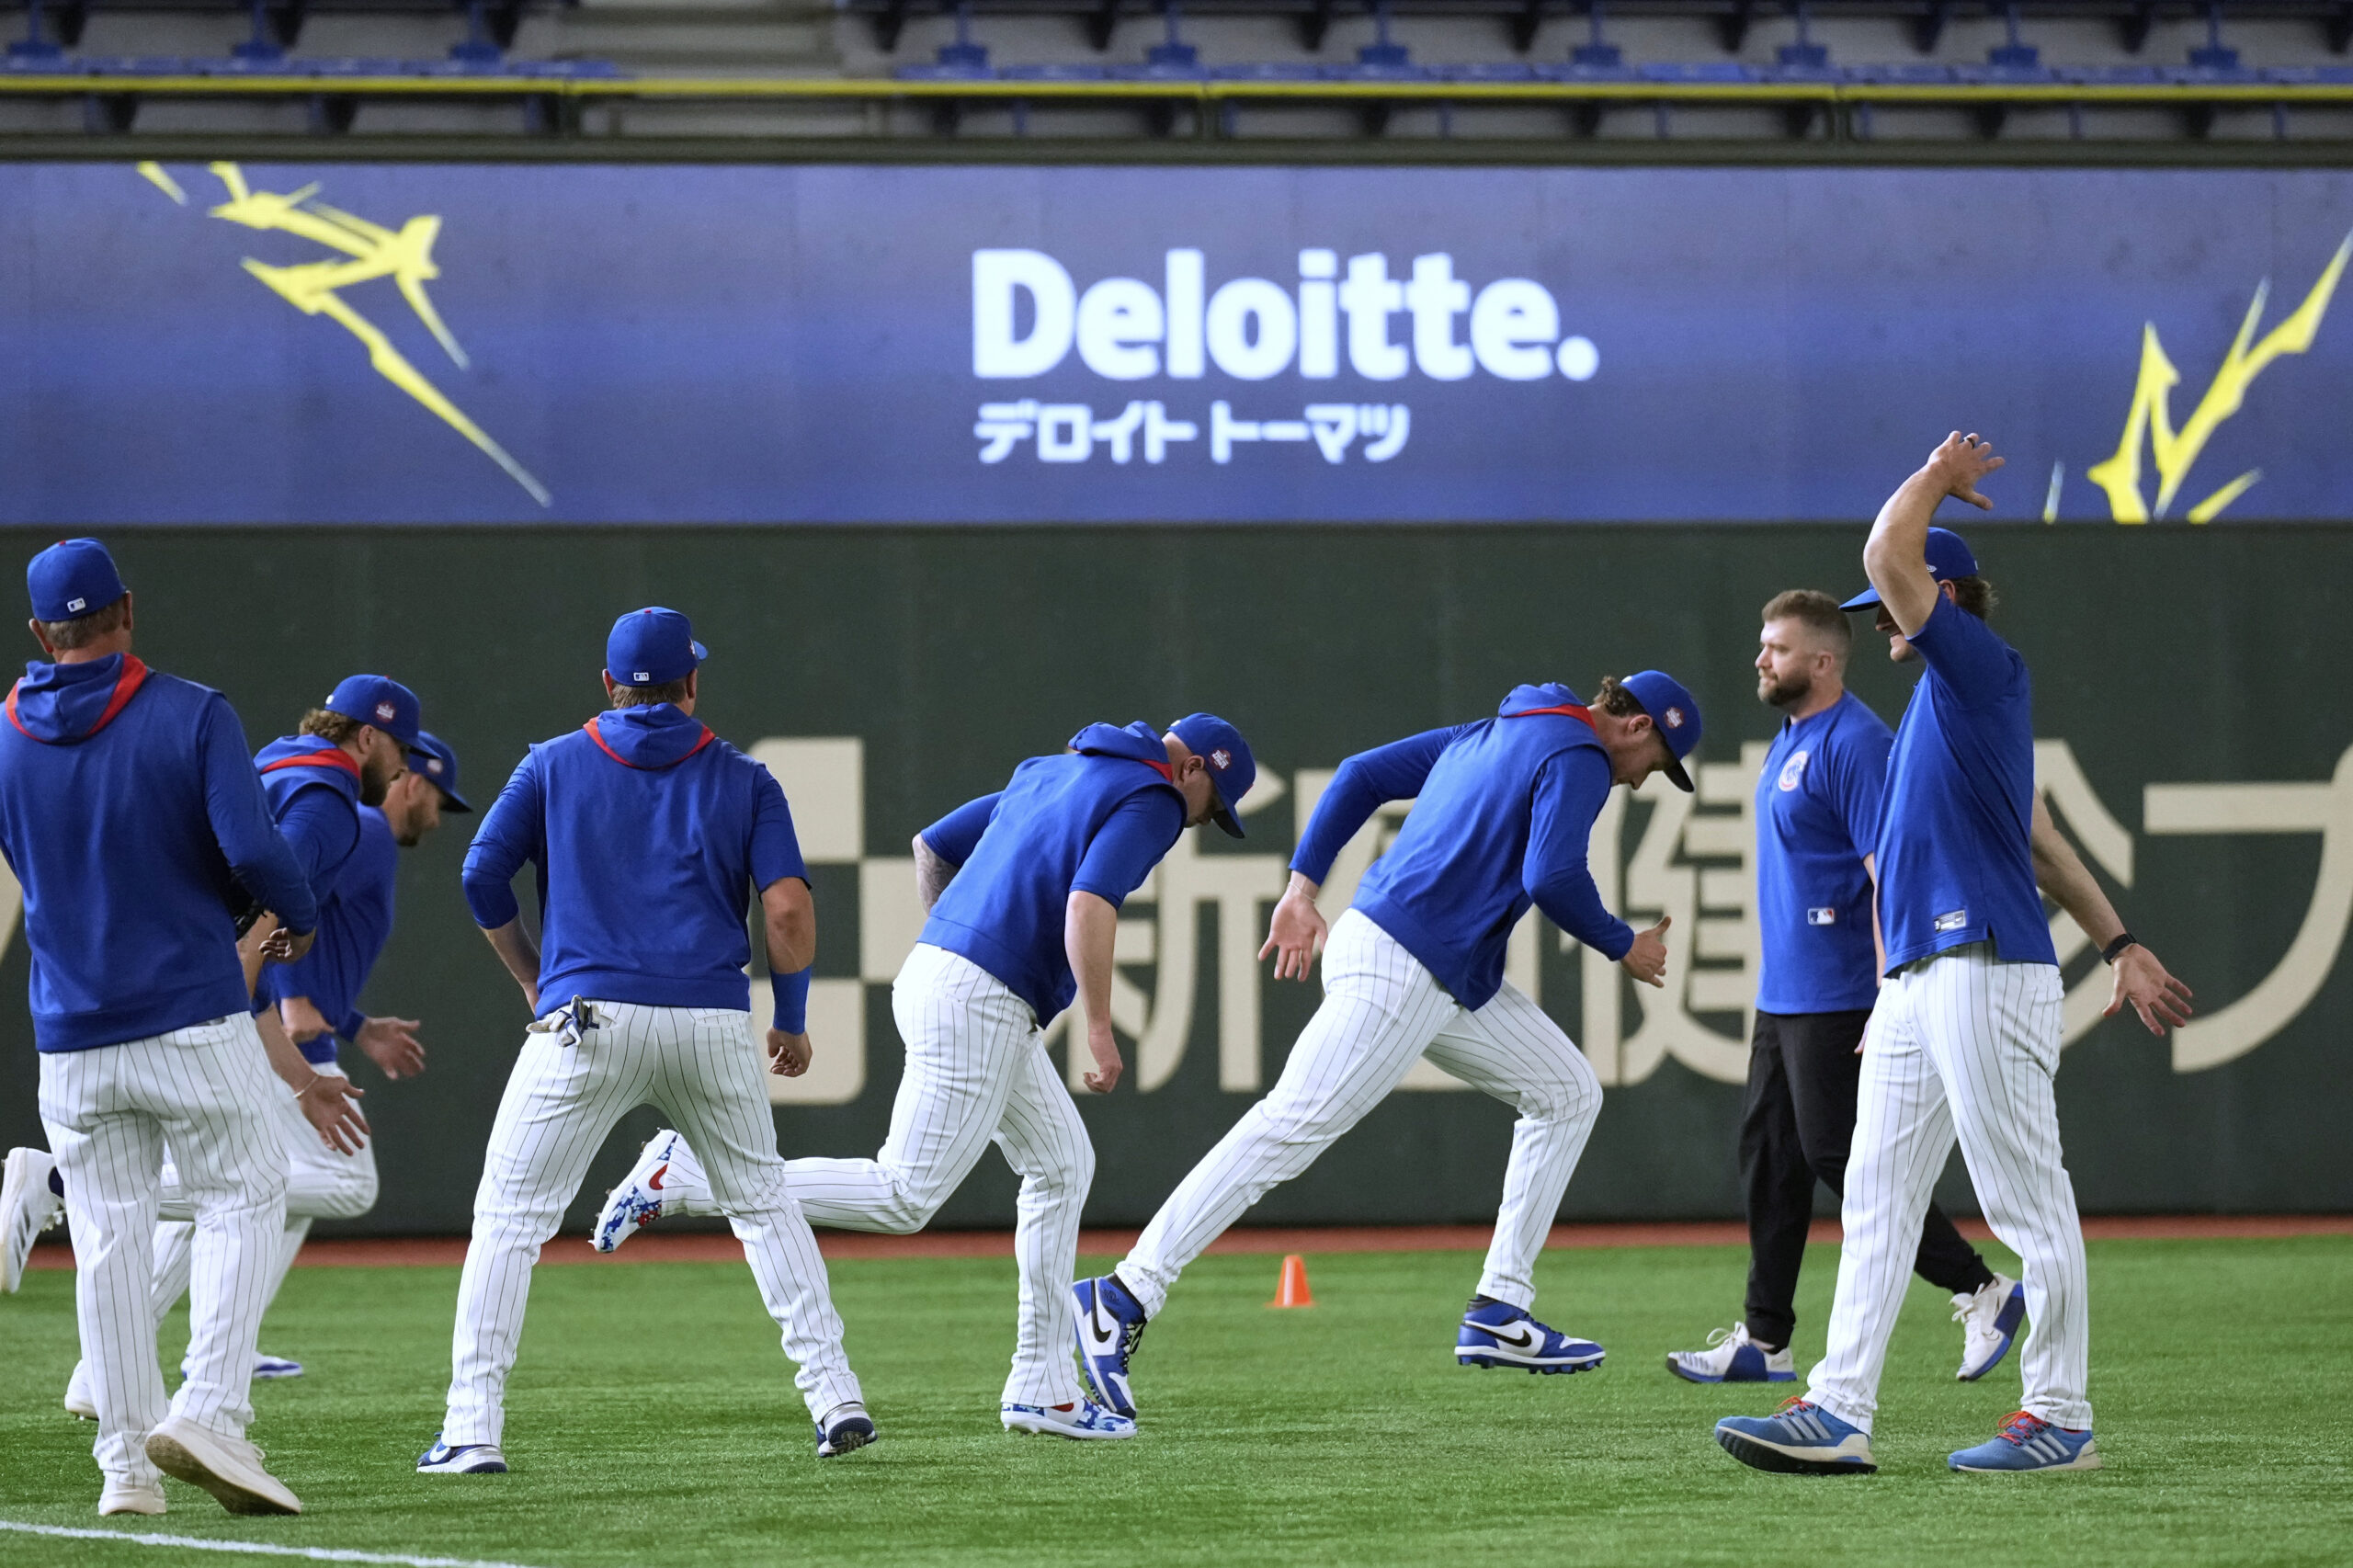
252	1548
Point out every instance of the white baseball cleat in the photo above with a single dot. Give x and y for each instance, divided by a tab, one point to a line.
637	1201
466	1458
268	1367
1732	1356
1080	1418
229	1467
847	1427
1989	1321
27	1207
131	1498
80	1403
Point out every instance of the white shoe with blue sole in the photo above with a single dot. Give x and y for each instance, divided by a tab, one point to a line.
1989	1321
1497	1333
637	1201
1732	1357
1081	1418
1109	1324
466	1458
2030	1443
845	1428
1800	1439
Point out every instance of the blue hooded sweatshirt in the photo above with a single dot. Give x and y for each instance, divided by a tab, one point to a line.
312	786
355	922
130	812
1095	819
651	836
1504	810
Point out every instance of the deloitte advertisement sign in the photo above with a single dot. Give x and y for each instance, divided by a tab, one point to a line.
419	344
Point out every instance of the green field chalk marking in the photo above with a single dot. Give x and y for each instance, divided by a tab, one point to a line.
254	1548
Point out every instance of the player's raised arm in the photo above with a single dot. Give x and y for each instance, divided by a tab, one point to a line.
1895	556
2059	872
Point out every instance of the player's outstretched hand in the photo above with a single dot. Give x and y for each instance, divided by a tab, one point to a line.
789	1054
391	1044
1296	935
1104	1046
1961	462
282	945
2158	996
329	1102
1646	959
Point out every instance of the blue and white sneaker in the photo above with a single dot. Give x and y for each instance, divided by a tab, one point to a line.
466	1458
637	1201
845	1428
1989	1320
1497	1334
1732	1357
266	1366
1110	1323
1800	1439
1081	1418
2029	1442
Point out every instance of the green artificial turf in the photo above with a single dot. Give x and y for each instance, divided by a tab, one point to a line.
651	1421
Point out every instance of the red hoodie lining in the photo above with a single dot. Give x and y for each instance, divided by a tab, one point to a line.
126	686
707	736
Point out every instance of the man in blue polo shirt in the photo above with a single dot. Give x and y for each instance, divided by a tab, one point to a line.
1817	822
1023	890
130	813
1504	810
1963	1041
652	838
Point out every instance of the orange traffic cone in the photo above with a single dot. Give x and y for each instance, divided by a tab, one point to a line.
1293	1290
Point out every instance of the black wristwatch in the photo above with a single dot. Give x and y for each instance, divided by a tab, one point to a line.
2114	950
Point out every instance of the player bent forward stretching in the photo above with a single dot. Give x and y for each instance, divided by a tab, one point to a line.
1504	809
651	835
1023	890
1964	1037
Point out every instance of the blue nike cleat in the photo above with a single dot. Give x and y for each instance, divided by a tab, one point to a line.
1081	1418
1109	1322
1989	1320
1798	1439
466	1458
1497	1334
1732	1356
847	1427
2029	1442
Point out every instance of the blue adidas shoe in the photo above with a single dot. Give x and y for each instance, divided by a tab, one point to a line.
1798	1438
1109	1324
845	1428
1989	1320
1497	1334
2029	1442
1732	1356
466	1458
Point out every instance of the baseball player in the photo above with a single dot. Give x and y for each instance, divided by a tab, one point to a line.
651	836
130	812
1963	1039
325	1181
1504	808
1817	822
1023	890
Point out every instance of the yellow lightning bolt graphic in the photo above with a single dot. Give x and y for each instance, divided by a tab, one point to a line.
404	256
2175	451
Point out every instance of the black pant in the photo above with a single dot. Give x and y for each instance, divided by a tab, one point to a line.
1796	1125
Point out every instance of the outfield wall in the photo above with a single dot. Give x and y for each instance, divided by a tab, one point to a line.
2197	737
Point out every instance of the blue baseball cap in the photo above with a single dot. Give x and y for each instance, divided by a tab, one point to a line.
1949	557
652	647
378	701
1673	712
431	756
1232	768
72	578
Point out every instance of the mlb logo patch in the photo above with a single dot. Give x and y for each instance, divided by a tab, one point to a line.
384	711
1822	916
642	678
76	606
1952	920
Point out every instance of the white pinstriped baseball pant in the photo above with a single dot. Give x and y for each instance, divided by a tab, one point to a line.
1382	1011
976	1071
206	1089
1960	1045
702	1068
